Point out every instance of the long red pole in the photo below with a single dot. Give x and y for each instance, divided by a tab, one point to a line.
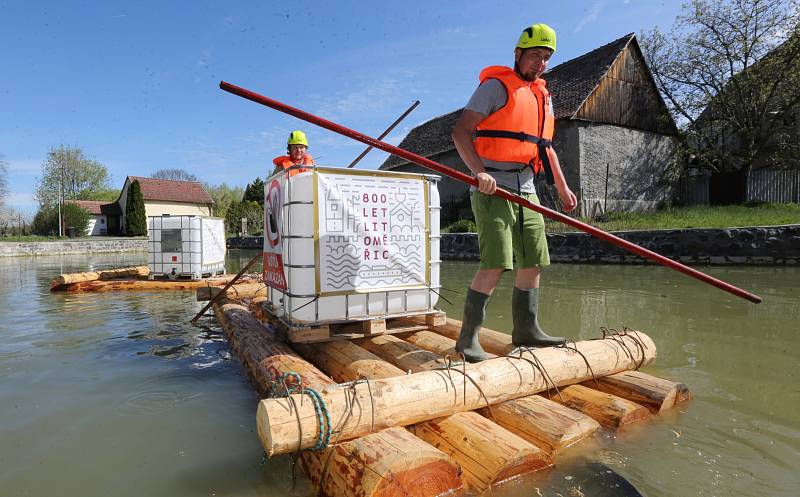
447	171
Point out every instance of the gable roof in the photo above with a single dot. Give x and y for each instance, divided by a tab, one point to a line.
98	207
167	190
573	81
570	83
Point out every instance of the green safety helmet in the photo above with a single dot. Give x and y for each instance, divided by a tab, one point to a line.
538	35
297	137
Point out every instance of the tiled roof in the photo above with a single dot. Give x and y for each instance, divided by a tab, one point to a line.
570	83
98	207
166	190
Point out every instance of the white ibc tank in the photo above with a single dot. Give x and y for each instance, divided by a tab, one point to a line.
353	244
187	246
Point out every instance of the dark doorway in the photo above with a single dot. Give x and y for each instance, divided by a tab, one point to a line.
727	188
113	225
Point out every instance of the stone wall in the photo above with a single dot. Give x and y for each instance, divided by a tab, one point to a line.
637	161
779	245
62	247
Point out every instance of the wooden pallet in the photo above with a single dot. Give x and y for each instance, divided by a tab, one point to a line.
363	328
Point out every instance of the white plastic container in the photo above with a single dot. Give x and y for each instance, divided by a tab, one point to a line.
186	246
328	219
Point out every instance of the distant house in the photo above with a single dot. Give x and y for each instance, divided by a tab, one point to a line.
773	172
164	196
161	196
609	117
104	217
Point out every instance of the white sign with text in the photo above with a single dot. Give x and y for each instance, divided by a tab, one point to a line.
372	232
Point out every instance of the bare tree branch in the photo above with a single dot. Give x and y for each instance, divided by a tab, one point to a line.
730	74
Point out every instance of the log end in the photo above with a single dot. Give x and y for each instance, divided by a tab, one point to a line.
524	465
609	410
435	477
262	426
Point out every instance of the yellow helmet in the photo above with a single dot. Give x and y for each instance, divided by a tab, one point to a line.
297	137
538	35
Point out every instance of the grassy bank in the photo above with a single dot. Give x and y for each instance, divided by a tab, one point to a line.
728	216
32	238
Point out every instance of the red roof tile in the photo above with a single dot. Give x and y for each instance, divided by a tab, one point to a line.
93	206
167	190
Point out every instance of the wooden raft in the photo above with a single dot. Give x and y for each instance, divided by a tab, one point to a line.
547	420
128	279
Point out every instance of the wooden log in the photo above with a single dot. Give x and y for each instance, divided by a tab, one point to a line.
390	463
607	409
139	285
464	436
434	342
543	422
657	394
493	342
125	272
345	361
402	354
68	279
106	274
405	400
257	307
546	424
238	291
487	453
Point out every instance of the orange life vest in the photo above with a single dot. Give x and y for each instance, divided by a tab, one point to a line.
522	129
286	163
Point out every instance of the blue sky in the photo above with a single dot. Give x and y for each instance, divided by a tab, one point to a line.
135	84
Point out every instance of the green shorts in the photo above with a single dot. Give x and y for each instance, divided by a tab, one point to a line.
499	236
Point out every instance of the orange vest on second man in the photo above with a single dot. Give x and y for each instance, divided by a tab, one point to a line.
285	162
520	130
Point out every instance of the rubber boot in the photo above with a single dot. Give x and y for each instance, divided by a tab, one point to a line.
527	333
474	313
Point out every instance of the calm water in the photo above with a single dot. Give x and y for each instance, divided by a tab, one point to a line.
115	394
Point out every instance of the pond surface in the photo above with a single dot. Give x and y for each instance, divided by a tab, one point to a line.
116	394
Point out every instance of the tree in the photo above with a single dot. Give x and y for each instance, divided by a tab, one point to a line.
104	194
67	169
255	192
730	75
135	218
45	222
174	174
223	196
253	212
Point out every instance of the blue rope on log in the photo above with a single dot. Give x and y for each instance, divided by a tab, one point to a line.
323	416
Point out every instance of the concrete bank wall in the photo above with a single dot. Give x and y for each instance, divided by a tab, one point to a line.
778	245
63	247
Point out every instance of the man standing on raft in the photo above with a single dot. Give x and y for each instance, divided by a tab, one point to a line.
504	137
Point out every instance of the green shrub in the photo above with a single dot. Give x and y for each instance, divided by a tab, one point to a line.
247	209
462	226
135	217
45	222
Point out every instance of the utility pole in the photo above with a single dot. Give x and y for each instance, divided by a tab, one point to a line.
61	201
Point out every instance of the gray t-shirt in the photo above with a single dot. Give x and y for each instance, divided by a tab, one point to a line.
488	98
